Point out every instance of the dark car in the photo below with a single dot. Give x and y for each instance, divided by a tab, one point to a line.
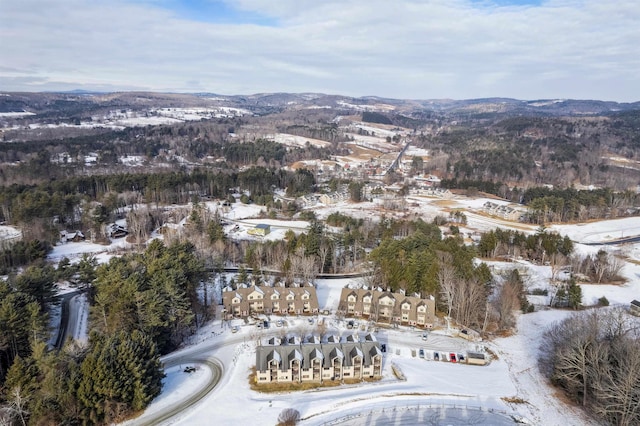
189	369
265	324
436	356
421	353
383	347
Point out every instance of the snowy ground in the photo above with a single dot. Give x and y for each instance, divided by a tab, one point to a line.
475	392
436	386
603	231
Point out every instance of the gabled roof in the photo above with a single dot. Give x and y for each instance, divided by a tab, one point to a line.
336	353
375	351
635	303
313	339
295	354
274	341
355	351
274	356
352	338
316	353
333	339
370	338
389	295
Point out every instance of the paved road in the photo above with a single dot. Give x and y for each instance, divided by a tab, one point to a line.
172	410
67	324
625	240
200	355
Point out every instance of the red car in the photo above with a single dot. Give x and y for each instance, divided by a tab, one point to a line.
452	357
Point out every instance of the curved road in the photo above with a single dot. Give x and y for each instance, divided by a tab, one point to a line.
178	407
200	354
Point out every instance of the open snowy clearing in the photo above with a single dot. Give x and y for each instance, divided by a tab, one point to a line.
601	231
297	141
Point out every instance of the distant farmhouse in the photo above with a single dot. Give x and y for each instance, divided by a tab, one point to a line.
244	301
388	307
117	231
76	236
260	229
313	361
634	308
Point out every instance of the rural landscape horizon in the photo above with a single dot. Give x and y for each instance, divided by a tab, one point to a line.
307	213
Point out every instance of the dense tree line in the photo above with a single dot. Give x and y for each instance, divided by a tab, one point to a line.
425	263
61	199
593	357
539	247
557	204
489	187
527	151
115	376
142	304
155	292
24	304
569	204
375	117
22	253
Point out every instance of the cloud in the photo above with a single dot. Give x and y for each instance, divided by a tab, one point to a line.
406	48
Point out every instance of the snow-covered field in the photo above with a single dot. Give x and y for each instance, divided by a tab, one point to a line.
436	387
297	141
602	231
155	116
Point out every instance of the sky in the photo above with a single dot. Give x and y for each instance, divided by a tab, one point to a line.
409	49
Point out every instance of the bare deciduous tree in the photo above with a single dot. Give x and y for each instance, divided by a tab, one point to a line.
593	356
447	281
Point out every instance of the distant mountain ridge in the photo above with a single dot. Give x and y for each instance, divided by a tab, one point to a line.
264	103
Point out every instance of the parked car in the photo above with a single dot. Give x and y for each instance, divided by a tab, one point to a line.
436	356
265	324
383	347
235	329
350	324
460	358
279	323
425	336
421	353
452	357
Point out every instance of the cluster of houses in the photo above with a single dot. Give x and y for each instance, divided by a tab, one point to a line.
388	307
376	305
314	360
334	197
502	211
245	301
